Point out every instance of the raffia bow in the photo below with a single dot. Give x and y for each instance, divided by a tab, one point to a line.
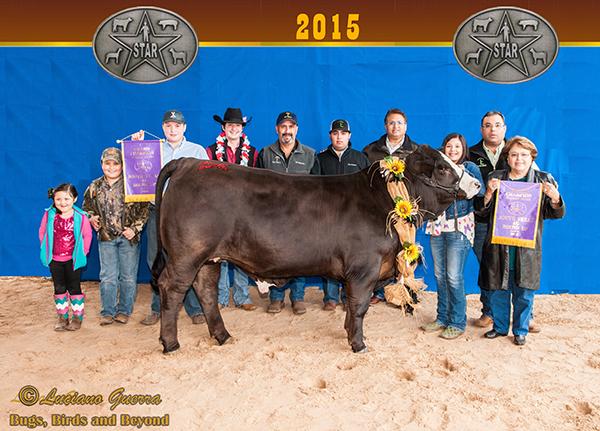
403	218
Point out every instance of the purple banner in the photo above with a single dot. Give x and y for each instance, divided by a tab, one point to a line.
141	166
516	214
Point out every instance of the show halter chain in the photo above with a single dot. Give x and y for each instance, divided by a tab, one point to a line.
222	141
403	218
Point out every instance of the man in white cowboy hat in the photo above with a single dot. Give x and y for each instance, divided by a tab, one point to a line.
233	146
174	147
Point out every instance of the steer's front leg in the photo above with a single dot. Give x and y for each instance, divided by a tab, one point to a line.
359	294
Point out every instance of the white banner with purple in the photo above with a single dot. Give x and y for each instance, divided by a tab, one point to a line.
141	166
516	214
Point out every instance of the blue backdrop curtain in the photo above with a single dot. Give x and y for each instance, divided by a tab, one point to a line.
59	109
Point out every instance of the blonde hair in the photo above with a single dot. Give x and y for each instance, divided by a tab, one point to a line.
524	142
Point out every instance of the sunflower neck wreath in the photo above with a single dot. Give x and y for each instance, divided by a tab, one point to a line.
403	217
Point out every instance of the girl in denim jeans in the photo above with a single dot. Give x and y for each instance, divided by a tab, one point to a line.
65	238
452	235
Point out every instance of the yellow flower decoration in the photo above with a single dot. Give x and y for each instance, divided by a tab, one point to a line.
403	208
395	166
411	252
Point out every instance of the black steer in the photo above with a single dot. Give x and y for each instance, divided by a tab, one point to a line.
276	226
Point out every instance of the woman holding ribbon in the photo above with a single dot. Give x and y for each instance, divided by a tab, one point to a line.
513	270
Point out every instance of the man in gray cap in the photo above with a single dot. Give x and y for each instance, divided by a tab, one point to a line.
174	147
288	155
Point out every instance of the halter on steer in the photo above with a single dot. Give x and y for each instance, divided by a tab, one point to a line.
434	183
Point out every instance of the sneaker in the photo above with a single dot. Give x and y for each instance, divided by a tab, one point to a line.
151	319
329	306
298	307
484	321
122	318
275	307
61	324
74	324
248	307
106	320
198	319
450	333
433	326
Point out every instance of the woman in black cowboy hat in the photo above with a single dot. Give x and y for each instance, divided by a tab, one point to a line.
233	146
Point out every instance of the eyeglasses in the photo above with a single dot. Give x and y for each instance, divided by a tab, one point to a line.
396	123
493	126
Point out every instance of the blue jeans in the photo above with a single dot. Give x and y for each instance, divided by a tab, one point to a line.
379	291
238	280
450	251
480	233
119	260
331	291
190	302
522	303
296	286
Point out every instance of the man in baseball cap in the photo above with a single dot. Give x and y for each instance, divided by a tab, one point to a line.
174	147
338	158
288	155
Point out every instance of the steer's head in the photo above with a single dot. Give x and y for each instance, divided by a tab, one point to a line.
437	181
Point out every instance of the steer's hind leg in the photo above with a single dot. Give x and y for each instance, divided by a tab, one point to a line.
171	298
359	293
205	286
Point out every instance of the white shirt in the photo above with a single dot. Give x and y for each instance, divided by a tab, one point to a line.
391	147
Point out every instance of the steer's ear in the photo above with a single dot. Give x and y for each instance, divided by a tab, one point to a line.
422	160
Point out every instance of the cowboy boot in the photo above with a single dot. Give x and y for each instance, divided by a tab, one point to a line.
77	305
62	309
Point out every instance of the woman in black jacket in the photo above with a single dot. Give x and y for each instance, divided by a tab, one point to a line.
511	270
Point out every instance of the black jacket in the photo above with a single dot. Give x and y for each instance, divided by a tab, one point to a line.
493	272
478	156
351	161
377	150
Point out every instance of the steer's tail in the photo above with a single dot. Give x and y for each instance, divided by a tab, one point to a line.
161	258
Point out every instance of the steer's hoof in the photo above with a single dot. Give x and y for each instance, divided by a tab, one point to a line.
171	348
360	349
223	339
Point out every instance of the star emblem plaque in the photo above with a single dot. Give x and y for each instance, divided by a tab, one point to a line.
505	45
145	45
